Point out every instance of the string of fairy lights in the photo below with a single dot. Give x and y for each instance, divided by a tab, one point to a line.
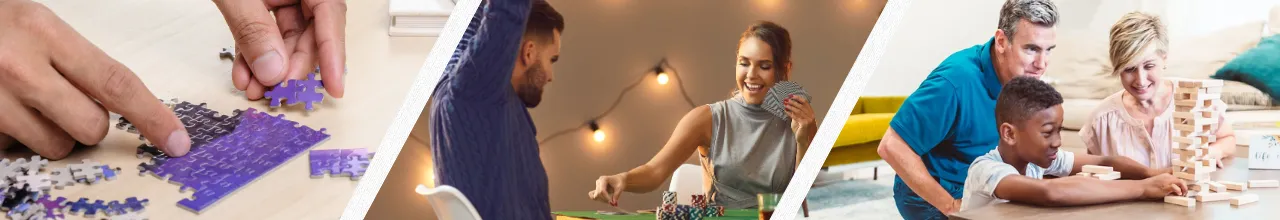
662	76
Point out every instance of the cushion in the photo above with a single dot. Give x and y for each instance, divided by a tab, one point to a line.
1258	67
863	128
881	104
1273	23
1075	112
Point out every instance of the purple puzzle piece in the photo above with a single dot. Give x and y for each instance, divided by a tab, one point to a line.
259	144
135	205
296	91
281	92
309	93
323	161
115	208
53	207
336	161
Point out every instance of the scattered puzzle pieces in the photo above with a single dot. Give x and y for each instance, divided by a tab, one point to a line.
61	177
87	172
35	181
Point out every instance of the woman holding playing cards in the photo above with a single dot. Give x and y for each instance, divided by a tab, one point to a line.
743	147
1138	122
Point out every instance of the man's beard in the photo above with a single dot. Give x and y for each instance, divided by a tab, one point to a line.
529	91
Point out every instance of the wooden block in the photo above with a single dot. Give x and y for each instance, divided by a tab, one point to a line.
1113	175
1195	104
1237	186
1197	177
1084	174
1194	120
1263	183
1199	83
1194	168
1192	158
1244	199
1210	197
1179	200
1196	152
1217	187
1096	169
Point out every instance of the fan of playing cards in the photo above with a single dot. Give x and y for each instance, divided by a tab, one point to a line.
780	91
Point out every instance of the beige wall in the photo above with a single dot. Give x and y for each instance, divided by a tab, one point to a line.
608	45
933	29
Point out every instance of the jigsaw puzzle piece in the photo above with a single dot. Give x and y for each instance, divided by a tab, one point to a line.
53	207
88	171
115	208
132	204
61	177
324	162
35	181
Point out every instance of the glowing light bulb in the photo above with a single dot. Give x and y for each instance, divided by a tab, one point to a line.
662	78
599	136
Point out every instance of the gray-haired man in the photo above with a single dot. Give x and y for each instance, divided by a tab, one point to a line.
950	119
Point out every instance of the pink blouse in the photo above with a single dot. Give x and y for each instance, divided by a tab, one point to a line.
1112	131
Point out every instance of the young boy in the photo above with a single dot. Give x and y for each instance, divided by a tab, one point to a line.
1029	117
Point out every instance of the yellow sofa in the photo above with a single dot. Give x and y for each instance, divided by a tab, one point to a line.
861	134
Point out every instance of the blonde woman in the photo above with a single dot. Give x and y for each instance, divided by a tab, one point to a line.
1138	122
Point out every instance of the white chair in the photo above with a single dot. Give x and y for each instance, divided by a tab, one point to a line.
449	203
687	180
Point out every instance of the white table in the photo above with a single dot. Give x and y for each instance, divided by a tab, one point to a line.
173	46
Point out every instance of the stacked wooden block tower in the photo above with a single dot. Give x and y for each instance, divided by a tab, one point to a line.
1195	124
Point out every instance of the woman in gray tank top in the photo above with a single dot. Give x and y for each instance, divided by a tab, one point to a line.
744	150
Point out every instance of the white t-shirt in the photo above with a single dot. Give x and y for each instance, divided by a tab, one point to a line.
987	171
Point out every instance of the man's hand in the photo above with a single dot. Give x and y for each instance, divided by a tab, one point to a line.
1163	185
950	208
56	88
288	46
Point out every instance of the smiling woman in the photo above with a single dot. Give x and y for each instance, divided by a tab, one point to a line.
744	149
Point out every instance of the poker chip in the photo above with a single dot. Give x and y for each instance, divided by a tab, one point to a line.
699	200
668	197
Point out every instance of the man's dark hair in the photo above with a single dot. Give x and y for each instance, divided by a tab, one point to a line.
1022	97
544	21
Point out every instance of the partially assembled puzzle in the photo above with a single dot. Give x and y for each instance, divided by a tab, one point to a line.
227	151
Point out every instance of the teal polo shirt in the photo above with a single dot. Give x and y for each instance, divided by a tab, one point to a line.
950	119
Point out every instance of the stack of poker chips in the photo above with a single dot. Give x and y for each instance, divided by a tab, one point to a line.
699	209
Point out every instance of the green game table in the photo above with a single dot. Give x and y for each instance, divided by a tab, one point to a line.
729	214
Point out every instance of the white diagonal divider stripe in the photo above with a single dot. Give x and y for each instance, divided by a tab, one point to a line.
396	135
865	65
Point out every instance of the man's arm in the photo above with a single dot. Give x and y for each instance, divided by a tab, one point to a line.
485	71
908	165
920	124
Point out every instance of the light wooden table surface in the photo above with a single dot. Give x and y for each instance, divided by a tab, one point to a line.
173	45
1264	208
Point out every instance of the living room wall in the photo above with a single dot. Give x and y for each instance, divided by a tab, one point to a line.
933	29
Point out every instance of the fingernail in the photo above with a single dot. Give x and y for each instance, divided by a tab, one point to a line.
179	143
268	66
